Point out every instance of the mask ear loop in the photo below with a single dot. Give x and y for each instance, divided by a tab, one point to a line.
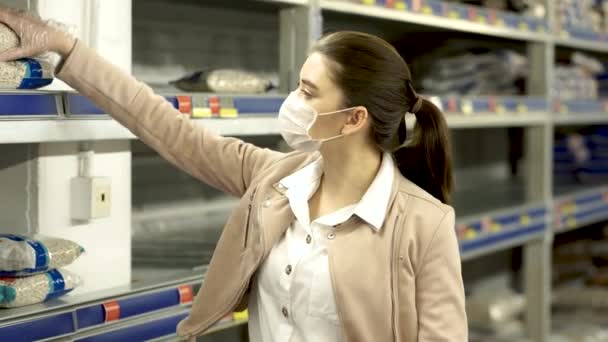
324	114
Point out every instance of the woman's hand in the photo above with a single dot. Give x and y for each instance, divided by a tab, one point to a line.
36	36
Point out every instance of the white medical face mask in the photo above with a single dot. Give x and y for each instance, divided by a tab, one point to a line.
296	118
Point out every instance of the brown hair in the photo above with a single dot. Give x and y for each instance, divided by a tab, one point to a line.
371	73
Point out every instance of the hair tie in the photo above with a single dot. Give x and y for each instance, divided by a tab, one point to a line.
417	105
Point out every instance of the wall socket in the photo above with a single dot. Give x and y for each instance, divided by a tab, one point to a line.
91	198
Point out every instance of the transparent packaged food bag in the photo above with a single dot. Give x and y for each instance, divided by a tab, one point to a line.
22	255
18	292
26	73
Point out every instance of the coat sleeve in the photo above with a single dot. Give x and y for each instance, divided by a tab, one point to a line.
225	163
440	298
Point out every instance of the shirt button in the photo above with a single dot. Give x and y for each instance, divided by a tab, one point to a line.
308	239
285	312
331	236
288	269
266	203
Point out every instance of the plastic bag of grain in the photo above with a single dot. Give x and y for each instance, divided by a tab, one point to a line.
17	292
27	73
21	255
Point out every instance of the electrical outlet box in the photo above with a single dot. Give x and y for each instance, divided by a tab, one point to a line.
91	198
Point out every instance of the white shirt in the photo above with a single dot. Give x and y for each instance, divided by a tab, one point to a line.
292	299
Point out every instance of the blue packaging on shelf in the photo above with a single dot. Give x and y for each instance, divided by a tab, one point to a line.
14	105
36	76
584	106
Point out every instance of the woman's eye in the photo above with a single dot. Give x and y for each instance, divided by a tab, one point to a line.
305	93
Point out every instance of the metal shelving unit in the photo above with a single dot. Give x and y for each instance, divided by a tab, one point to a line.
511	215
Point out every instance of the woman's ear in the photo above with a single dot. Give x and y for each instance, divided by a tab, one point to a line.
356	120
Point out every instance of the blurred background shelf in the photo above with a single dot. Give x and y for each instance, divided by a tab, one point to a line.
446	16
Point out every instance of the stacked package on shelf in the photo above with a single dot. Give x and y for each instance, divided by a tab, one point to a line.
468	73
586	19
31	269
532	8
581	157
579	79
494	311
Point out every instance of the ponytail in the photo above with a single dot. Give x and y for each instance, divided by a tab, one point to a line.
426	159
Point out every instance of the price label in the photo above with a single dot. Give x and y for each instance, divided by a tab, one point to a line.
201	112
229	113
524	220
471	234
400	5
481	19
454	15
466	107
522	108
495	227
427	10
523	26
369	2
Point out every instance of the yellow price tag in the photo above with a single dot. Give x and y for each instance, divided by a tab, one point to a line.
500	109
369	2
524	26
229	112
201	113
481	19
571	222
524	220
427	10
495	227
471	234
402	6
569	209
522	108
454	15
240	316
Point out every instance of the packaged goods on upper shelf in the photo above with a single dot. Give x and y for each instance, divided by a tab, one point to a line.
27	73
224	81
578	80
534	8
18	292
581	157
582	18
470	73
22	255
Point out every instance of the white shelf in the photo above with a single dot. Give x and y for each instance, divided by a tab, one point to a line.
496	120
429	20
580	119
56	130
583	44
288	2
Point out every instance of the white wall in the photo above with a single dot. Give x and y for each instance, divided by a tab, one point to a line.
107	262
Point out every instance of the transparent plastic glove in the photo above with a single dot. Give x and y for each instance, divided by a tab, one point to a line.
36	36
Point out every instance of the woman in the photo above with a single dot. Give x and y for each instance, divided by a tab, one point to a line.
346	239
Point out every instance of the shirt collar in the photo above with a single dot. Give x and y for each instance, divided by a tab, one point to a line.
372	206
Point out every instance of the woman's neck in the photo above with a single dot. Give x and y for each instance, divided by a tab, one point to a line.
346	177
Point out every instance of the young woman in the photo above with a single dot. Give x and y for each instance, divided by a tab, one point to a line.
345	239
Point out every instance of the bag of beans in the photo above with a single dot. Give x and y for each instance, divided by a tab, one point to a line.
22	255
17	292
27	73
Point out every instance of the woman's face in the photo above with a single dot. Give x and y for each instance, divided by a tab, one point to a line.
318	90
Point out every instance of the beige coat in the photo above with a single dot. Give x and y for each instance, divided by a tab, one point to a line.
402	283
